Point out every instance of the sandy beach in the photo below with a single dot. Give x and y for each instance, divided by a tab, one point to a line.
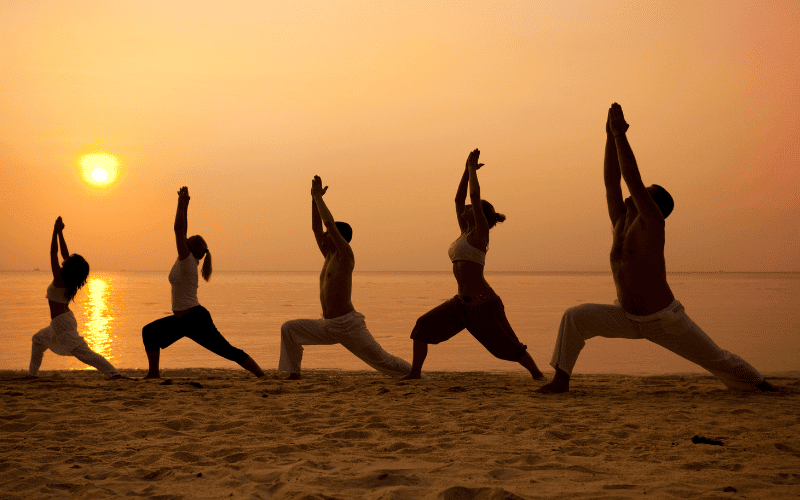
217	433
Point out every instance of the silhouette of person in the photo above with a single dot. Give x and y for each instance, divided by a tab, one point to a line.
62	336
645	306
189	318
340	323
476	307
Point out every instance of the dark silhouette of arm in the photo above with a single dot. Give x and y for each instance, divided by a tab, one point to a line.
342	246
481	231
181	223
613	177
316	226
55	267
645	205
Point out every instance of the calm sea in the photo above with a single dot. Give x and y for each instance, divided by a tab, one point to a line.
755	315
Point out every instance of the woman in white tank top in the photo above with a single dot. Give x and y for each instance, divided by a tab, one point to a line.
189	318
62	336
476	307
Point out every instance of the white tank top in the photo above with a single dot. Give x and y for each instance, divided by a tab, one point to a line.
183	277
57	294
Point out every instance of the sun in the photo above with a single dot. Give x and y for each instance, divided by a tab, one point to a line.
99	169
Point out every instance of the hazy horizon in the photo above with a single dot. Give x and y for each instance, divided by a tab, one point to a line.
244	102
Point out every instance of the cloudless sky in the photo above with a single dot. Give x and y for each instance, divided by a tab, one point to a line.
245	101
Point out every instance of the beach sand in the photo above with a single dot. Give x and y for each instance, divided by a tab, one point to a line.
215	433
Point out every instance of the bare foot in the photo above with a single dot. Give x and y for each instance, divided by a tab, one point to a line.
538	376
149	375
559	384
293	376
413	376
765	386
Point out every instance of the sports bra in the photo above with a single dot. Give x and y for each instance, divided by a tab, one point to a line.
57	294
462	250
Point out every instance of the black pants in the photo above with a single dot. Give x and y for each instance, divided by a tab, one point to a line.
198	326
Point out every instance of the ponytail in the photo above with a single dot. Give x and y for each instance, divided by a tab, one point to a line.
207	266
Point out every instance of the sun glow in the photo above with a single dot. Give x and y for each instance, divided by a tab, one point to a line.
99	170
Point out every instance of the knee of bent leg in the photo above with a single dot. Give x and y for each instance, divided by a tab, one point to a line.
149	338
578	311
286	329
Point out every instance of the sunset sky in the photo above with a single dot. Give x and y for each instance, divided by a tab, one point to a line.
244	102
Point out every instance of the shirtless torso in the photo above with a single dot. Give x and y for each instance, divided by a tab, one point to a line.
336	285
336	277
638	265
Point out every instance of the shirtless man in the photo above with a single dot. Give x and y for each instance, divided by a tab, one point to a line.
340	323
646	307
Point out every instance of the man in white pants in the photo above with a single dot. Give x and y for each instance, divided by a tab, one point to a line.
340	323
646	307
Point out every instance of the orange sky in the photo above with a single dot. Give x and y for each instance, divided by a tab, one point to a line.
244	102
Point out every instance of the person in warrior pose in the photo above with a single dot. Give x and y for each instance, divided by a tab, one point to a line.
189	318
62	336
476	307
340	323
645	306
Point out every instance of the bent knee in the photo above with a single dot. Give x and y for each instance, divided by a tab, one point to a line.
581	310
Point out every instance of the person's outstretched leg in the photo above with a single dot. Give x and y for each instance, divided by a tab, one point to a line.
38	348
489	325
579	324
353	334
91	358
678	333
201	329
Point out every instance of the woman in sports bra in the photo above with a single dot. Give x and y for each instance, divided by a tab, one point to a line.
476	307
189	318
62	336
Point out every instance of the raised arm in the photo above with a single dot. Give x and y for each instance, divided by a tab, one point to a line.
645	204
181	223
55	266
316	221
461	196
342	246
481	232
613	177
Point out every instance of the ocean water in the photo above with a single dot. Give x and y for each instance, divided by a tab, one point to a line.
754	315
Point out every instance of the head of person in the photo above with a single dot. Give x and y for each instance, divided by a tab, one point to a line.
492	217
344	229
199	248
74	271
662	198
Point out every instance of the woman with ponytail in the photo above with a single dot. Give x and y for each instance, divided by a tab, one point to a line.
476	307
62	336
189	318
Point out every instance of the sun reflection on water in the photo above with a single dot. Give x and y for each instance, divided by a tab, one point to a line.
99	323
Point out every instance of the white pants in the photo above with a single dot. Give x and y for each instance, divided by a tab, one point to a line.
349	330
62	338
670	328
